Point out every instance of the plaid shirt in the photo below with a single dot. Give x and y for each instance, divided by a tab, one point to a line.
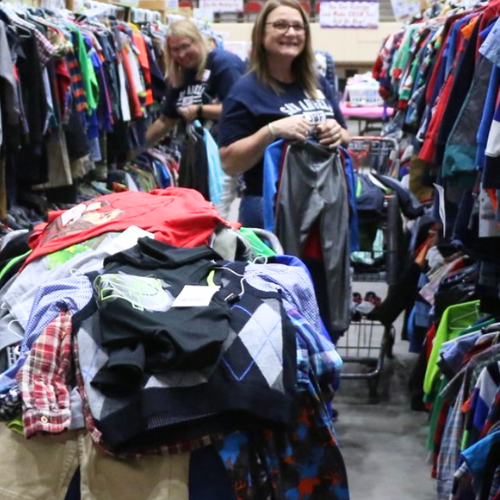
495	485
43	380
438	436
462	482
455	425
314	352
493	415
450	448
45	48
293	282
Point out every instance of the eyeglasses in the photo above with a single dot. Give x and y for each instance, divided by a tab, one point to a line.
181	48
284	26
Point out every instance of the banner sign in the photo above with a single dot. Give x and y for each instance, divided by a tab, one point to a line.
349	14
405	9
222	5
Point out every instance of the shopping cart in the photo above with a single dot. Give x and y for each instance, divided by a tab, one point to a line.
375	154
379	155
367	342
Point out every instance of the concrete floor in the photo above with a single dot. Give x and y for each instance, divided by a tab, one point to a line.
382	439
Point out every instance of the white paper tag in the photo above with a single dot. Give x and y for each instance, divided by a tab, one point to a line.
195	296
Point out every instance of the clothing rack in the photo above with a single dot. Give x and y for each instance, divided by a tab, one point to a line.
443	77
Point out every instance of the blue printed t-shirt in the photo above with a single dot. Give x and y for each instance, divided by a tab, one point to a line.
222	70
252	105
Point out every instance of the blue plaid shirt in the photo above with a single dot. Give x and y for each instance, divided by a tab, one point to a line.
314	353
70	294
293	282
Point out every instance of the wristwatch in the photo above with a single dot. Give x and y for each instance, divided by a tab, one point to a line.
200	111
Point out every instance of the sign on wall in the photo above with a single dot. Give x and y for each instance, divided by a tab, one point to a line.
349	14
405	9
222	5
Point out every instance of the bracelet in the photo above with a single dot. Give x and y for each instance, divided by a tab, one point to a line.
200	111
271	130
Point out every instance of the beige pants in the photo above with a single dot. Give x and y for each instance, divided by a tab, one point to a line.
41	468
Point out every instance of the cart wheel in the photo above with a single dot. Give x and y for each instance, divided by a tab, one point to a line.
373	387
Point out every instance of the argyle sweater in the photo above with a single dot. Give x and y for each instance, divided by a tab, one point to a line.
253	382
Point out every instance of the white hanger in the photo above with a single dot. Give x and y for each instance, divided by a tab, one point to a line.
12	331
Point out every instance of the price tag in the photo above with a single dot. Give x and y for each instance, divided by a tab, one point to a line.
195	296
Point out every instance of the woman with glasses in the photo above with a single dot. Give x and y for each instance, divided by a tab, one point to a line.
199	79
282	96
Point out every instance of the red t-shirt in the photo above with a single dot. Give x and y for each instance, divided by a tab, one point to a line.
177	216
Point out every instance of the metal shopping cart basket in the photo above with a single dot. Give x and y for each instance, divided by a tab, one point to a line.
367	342
376	155
363	349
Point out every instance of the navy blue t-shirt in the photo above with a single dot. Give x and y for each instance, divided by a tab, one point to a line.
222	70
252	105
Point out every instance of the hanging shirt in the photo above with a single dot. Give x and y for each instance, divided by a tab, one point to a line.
252	105
140	43
9	98
222	70
90	83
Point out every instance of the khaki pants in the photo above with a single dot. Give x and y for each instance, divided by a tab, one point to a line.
41	468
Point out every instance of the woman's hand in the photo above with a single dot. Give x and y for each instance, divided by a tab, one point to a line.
294	127
189	113
329	133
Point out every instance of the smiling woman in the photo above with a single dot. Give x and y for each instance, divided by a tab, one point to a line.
281	97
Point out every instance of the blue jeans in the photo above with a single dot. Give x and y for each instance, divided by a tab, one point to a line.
251	212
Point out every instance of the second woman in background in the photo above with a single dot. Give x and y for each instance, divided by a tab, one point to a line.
199	80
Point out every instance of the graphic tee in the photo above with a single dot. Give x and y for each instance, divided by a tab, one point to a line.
222	70
252	105
178	216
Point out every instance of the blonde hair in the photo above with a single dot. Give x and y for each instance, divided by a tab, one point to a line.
303	66
185	28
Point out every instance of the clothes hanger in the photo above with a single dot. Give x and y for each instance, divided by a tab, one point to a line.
473	315
22	31
190	131
232	297
456	340
11	330
493	328
260	259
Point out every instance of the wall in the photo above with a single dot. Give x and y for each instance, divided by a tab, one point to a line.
349	47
